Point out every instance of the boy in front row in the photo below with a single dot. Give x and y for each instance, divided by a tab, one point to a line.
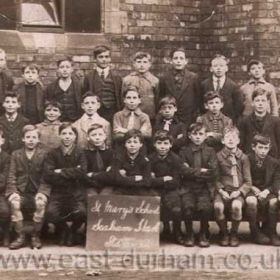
26	191
265	172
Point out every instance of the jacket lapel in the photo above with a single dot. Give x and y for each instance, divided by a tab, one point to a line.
267	122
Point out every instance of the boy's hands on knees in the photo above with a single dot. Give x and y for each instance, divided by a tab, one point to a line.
235	194
90	174
180	136
256	191
122	172
167	178
138	178
224	195
153	175
41	196
13	197
108	168
57	171
263	195
186	165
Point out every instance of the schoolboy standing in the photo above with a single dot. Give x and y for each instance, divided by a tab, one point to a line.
6	79
256	72
26	191
184	86
12	123
265	172
260	122
233	185
214	120
66	90
65	170
105	83
225	86
200	172
30	92
146	83
90	106
167	120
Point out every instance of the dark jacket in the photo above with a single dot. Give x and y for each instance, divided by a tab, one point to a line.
7	82
189	100
232	97
89	85
21	174
248	129
73	171
4	169
13	132
192	175
272	174
21	91
169	166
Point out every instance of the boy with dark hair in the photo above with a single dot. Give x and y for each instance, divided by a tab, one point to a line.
49	128
200	172
65	170
26	191
167	120
6	79
233	185
105	83
228	89
256	71
260	122
265	173
31	94
166	167
4	207
132	170
214	120
66	90
12	123
146	83
184	86
90	106
99	159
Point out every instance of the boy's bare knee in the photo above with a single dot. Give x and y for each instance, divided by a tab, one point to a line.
273	204
251	201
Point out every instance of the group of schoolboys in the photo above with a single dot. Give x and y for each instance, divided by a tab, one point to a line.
58	147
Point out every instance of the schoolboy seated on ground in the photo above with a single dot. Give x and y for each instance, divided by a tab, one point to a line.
65	170
99	160
30	92
256	72
200	172
67	90
225	86
184	86
233	185
27	192
12	123
6	79
131	117
265	172
105	83
90	106
4	207
214	120
145	81
49	138
260	122
167	120
166	173
131	170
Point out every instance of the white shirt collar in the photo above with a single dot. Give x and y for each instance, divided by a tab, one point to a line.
106	71
222	81
11	117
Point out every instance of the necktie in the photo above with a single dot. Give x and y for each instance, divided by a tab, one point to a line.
259	163
215	123
99	161
102	75
130	124
218	85
167	124
234	171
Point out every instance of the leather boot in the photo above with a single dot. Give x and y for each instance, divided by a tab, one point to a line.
71	239
35	239
272	232
178	235
20	240
224	236
6	233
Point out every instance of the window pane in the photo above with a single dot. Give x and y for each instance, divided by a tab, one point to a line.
8	9
41	12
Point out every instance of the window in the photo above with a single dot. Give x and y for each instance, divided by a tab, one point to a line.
81	16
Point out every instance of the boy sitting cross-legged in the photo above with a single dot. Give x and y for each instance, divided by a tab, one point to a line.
49	128
265	173
232	187
200	172
90	105
99	158
214	120
65	170
26	190
166	173
168	120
